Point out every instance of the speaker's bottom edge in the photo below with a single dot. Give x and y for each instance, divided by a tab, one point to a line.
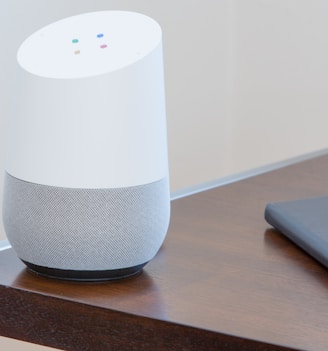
84	276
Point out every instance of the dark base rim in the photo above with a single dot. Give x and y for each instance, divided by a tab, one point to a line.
84	276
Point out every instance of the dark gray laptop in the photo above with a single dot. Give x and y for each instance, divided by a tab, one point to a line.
305	222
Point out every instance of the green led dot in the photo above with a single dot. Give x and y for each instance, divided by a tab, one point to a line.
74	41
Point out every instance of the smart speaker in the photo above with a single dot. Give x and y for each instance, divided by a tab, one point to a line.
86	193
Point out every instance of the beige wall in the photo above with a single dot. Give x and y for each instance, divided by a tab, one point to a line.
245	80
279	81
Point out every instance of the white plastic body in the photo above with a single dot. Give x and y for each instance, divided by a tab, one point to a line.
90	111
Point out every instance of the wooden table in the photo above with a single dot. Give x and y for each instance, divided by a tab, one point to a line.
222	281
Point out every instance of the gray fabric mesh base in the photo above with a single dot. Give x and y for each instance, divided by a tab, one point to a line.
85	229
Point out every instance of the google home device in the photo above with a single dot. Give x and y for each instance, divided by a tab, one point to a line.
86	194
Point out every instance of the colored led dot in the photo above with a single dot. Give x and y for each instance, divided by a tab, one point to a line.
100	35
103	46
75	41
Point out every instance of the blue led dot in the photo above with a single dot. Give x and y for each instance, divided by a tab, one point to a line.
100	35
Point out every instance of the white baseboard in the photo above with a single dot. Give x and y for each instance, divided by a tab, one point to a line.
244	175
4	245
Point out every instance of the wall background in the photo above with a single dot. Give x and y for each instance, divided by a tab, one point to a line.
246	81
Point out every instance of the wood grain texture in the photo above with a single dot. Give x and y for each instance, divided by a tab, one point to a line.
223	280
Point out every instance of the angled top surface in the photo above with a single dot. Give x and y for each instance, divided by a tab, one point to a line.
89	44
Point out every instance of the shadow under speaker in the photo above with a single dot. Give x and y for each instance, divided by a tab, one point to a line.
86	193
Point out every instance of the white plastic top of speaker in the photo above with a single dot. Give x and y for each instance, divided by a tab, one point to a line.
89	108
88	45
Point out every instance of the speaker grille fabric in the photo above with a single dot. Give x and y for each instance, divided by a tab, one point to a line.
85	229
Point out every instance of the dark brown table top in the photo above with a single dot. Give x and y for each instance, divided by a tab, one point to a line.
223	280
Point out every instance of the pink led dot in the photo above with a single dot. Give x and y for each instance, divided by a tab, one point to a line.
103	46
